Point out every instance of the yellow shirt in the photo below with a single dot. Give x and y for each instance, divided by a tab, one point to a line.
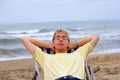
63	64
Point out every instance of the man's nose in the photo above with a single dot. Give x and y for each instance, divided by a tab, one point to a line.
61	39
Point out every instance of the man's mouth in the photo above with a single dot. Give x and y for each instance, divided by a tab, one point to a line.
60	44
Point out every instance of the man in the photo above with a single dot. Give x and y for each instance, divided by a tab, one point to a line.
61	65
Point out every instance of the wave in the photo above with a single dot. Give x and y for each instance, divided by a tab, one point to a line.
20	32
15	35
12	52
47	36
46	33
110	36
27	31
6	54
9	41
11	46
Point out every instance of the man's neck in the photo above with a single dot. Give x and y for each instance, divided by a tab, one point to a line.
57	52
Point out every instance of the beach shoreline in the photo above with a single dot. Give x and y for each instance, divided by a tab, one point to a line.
22	69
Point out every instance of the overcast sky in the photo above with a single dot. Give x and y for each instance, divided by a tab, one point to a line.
15	11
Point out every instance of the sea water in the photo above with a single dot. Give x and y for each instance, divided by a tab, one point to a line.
11	46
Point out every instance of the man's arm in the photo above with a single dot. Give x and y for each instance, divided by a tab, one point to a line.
92	39
29	45
40	43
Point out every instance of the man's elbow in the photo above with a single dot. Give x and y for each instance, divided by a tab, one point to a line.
96	36
24	39
94	40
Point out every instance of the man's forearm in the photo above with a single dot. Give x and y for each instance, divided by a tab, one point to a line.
82	41
28	44
39	43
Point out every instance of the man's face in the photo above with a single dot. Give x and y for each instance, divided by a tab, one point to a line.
61	42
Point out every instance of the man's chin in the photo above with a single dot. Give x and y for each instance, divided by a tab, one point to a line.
61	48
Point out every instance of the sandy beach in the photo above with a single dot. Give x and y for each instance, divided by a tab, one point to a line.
23	69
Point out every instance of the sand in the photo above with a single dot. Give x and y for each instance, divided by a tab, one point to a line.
22	69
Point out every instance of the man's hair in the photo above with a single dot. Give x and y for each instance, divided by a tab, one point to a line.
61	31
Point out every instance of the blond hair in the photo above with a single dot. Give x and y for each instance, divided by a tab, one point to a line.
61	31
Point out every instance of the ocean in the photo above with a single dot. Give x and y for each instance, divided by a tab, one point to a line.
11	46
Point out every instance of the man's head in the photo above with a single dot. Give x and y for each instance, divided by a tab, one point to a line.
61	31
61	41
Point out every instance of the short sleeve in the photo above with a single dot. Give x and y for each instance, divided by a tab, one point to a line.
39	56
85	49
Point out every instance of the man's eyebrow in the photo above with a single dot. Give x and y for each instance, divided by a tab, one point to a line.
64	36
60	36
57	36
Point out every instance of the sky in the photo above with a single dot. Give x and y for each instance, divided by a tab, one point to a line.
24	11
